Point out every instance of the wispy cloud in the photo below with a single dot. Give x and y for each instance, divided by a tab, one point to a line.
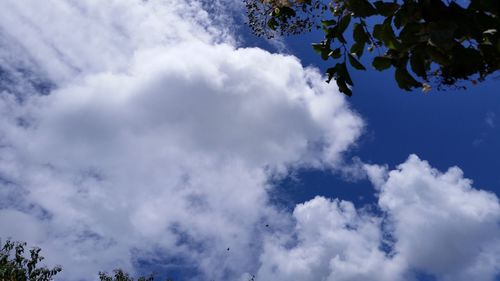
430	222
490	119
158	135
136	131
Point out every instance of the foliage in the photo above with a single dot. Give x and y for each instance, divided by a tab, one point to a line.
439	42
15	266
120	275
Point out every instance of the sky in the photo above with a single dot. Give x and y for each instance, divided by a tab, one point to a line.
161	136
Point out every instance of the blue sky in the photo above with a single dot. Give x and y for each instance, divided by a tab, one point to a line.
447	128
156	136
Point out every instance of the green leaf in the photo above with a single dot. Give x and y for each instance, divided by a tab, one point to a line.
358	49
355	63
331	73
327	23
272	23
335	53
330	32
386	9
323	49
418	64
381	63
361	8
409	12
438	56
318	47
341	38
466	61
359	33
405	80
288	12
343	88
343	24
385	33
343	73
441	34
388	36
325	54
378	30
413	33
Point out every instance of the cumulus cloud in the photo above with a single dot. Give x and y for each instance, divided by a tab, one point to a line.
443	226
331	240
428	222
134	128
136	132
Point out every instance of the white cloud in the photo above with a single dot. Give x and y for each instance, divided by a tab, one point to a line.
443	226
490	119
331	241
157	136
430	222
159	139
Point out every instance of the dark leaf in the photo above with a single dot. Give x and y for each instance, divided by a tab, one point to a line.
335	53
343	88
405	80
441	34
272	23
358	49
331	73
322	49
361	8
343	73
343	24
413	33
318	47
355	63
409	12
386	9
359	33
288	12
378	30
438	56
381	63
388	36
341	38
327	23
418	64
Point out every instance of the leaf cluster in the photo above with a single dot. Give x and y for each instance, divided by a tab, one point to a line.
269	18
120	275
15	265
425	41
